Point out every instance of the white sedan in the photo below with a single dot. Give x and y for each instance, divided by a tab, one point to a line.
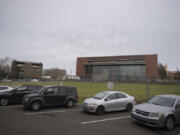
109	101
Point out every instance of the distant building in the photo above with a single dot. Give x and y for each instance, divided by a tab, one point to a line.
55	73
26	70
71	77
171	74
46	77
118	68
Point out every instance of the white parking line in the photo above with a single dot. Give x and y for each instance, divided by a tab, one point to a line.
95	121
36	113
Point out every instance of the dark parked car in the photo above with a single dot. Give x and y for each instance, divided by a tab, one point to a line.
51	96
160	111
15	96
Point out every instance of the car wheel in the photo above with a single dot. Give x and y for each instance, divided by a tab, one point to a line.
4	101
100	110
169	125
129	107
36	106
70	103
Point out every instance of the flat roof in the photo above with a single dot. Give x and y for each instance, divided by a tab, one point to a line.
142	55
27	62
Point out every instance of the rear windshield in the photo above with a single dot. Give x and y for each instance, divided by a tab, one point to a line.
3	88
100	95
162	101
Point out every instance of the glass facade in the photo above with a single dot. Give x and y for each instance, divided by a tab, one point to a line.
117	73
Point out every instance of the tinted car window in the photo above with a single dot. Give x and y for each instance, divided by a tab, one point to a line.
54	90
34	87
62	90
112	97
3	88
71	90
178	102
120	95
31	88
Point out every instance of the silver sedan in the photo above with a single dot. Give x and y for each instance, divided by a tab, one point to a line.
107	101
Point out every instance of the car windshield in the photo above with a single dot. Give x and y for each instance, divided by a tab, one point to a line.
41	91
21	88
162	101
100	95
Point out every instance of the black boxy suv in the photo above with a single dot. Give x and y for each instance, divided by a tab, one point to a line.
51	96
15	96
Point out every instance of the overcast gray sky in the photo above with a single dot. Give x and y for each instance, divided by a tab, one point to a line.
56	32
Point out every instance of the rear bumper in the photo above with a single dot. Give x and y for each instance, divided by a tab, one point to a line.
149	121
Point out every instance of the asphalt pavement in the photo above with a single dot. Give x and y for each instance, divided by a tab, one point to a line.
14	120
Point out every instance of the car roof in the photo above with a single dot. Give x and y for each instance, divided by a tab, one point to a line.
109	92
59	86
170	96
5	86
31	85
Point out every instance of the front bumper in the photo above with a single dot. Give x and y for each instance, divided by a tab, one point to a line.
26	104
88	108
149	121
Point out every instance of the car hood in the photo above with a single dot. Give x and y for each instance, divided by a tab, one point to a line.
152	108
91	100
32	95
5	92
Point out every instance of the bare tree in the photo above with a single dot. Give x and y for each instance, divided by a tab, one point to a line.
162	71
5	67
177	75
55	73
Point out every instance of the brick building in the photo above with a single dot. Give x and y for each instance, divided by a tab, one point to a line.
118	68
26	70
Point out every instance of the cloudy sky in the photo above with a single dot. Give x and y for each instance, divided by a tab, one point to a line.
56	32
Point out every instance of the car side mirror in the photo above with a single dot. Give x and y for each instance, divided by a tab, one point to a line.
177	106
107	99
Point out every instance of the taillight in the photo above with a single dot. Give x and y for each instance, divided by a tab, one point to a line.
77	97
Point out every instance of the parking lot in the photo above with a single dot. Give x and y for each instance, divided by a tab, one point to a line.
15	120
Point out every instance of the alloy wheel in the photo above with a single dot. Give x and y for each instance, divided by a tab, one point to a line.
169	123
36	106
70	103
4	101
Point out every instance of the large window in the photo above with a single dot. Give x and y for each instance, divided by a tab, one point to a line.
119	73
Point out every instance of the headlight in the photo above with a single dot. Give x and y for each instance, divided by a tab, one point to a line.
156	114
93	104
26	99
134	109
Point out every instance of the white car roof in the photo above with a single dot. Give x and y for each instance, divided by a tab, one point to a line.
115	92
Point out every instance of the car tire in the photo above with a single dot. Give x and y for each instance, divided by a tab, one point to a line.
36	106
129	107
4	101
100	110
170	123
70	103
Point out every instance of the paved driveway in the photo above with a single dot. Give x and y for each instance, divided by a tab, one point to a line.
63	121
